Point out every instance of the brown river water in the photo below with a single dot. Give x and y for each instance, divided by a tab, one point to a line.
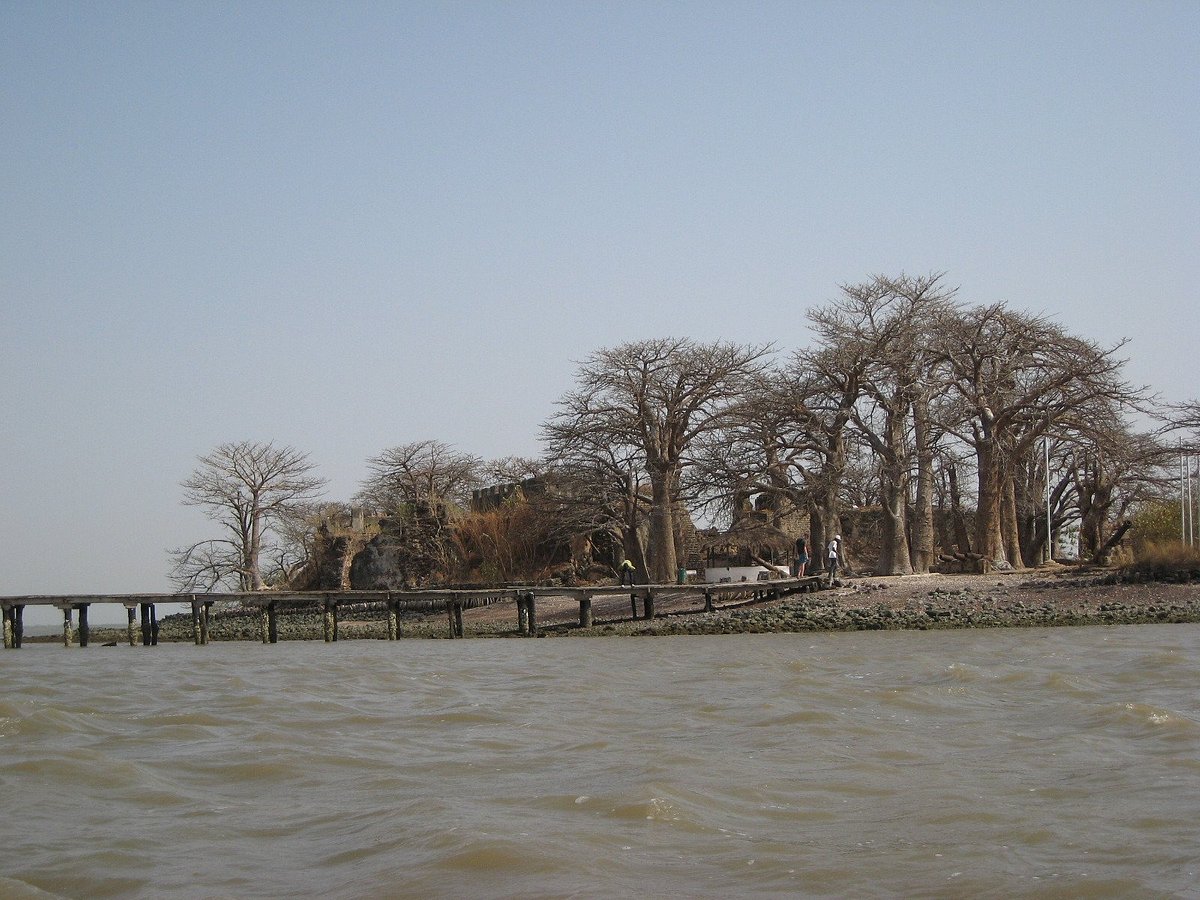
1048	763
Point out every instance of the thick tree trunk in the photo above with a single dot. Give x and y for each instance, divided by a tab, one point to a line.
663	559
1009	526
923	537
988	540
893	556
961	536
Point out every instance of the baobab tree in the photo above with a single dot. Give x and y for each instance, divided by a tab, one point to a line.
249	489
658	397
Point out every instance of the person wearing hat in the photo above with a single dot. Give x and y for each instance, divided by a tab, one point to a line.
832	555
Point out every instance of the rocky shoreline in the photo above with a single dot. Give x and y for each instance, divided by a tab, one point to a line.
1031	598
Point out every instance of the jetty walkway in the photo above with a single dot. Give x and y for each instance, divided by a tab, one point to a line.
451	602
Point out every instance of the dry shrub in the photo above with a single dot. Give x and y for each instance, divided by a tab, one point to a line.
1165	561
509	543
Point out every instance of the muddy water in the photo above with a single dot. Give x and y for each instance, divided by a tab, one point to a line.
1000	763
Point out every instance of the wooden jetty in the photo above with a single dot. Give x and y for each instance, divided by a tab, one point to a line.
451	602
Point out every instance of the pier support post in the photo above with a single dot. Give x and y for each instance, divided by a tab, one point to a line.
454	613
18	624
633	604
84	632
648	604
522	613
585	612
330	620
708	604
204	611
393	620
153	626
68	636
272	622
130	628
197	637
531	621
264	628
9	630
145	624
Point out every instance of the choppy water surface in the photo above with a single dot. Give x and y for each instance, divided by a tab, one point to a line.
1026	763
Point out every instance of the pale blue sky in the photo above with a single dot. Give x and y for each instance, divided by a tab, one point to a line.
346	226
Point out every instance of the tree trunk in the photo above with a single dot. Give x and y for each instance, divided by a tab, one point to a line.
988	540
893	556
1008	522
663	561
923	537
961	536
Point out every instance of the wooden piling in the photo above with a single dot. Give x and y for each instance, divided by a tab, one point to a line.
708	604
272	622
264	626
393	619
196	637
84	633
522	613
9	630
648	604
330	620
153	626
204	634
633	604
585	612
67	627
18	624
145	624
130	629
454	613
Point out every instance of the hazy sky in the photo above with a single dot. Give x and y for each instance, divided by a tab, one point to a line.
346	226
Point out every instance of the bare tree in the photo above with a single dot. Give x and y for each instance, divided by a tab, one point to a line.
657	397
429	472
879	329
250	489
1012	377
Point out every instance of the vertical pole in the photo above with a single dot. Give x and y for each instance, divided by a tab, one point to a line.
272	622
204	621
145	624
458	622
585	612
1049	519
9	629
393	620
648	604
196	639
633	604
18	624
329	635
264	626
153	626
130	628
532	615
522	613
67	635
83	624
708	604
1182	508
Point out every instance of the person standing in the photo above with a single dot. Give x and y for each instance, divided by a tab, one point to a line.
833	555
801	555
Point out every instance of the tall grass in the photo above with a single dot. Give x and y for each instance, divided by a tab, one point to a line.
1165	561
